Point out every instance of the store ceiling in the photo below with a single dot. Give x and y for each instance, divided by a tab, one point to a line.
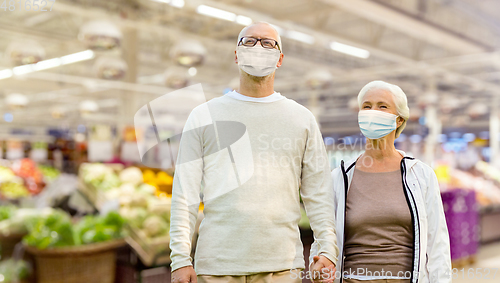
445	46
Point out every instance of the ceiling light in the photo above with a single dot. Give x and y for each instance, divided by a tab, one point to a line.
110	68
100	35
177	3
299	36
47	64
278	29
242	20
16	100
21	70
4	74
192	71
188	53
174	3
216	13
88	106
350	50
77	57
8	117
25	52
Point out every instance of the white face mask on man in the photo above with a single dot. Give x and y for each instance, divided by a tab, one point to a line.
257	61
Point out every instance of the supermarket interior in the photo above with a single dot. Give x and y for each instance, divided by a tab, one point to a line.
89	88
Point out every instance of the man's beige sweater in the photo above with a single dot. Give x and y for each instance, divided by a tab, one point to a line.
247	161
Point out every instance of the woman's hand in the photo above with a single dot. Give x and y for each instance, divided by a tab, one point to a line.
323	270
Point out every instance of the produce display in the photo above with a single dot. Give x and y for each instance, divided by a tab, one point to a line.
11	186
140	206
28	170
99	176
25	178
58	230
488	171
20	221
14	189
485	181
6	212
161	181
144	204
14	270
6	174
49	173
130	183
151	217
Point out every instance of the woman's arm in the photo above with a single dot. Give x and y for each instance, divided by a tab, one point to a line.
438	240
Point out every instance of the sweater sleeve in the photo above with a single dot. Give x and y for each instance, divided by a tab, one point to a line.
314	247
317	194
186	193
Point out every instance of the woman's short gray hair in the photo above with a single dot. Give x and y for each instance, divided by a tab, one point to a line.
399	98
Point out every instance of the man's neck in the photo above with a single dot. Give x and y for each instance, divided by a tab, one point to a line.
256	86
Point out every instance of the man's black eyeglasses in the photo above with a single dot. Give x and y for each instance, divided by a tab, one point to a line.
265	42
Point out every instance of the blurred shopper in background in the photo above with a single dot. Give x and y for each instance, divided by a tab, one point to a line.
250	233
391	226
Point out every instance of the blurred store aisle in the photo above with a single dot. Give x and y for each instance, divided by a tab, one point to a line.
487	258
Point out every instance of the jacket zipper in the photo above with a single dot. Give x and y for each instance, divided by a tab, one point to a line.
346	188
406	189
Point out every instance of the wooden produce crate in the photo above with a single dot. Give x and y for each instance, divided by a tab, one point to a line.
152	252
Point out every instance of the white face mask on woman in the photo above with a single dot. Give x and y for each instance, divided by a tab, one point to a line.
257	61
375	124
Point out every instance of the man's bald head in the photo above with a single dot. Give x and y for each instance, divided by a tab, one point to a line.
261	30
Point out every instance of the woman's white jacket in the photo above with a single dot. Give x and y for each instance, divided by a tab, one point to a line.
431	252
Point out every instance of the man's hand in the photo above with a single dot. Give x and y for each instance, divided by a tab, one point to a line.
323	270
184	274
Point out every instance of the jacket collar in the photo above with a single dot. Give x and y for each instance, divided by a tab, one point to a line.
409	162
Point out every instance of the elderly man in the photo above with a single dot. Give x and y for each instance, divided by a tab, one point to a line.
250	231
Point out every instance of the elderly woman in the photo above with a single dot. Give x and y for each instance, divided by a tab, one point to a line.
389	215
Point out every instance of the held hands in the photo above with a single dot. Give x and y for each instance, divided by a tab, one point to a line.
184	274
323	270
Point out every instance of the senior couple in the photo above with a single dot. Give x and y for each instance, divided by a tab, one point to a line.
378	218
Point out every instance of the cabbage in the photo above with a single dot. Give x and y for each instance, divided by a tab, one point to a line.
23	220
96	171
155	226
14	270
109	182
6	211
160	207
57	230
139	200
132	175
127	189
136	216
100	176
147	189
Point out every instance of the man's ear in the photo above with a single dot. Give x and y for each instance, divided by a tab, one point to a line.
280	61
235	57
